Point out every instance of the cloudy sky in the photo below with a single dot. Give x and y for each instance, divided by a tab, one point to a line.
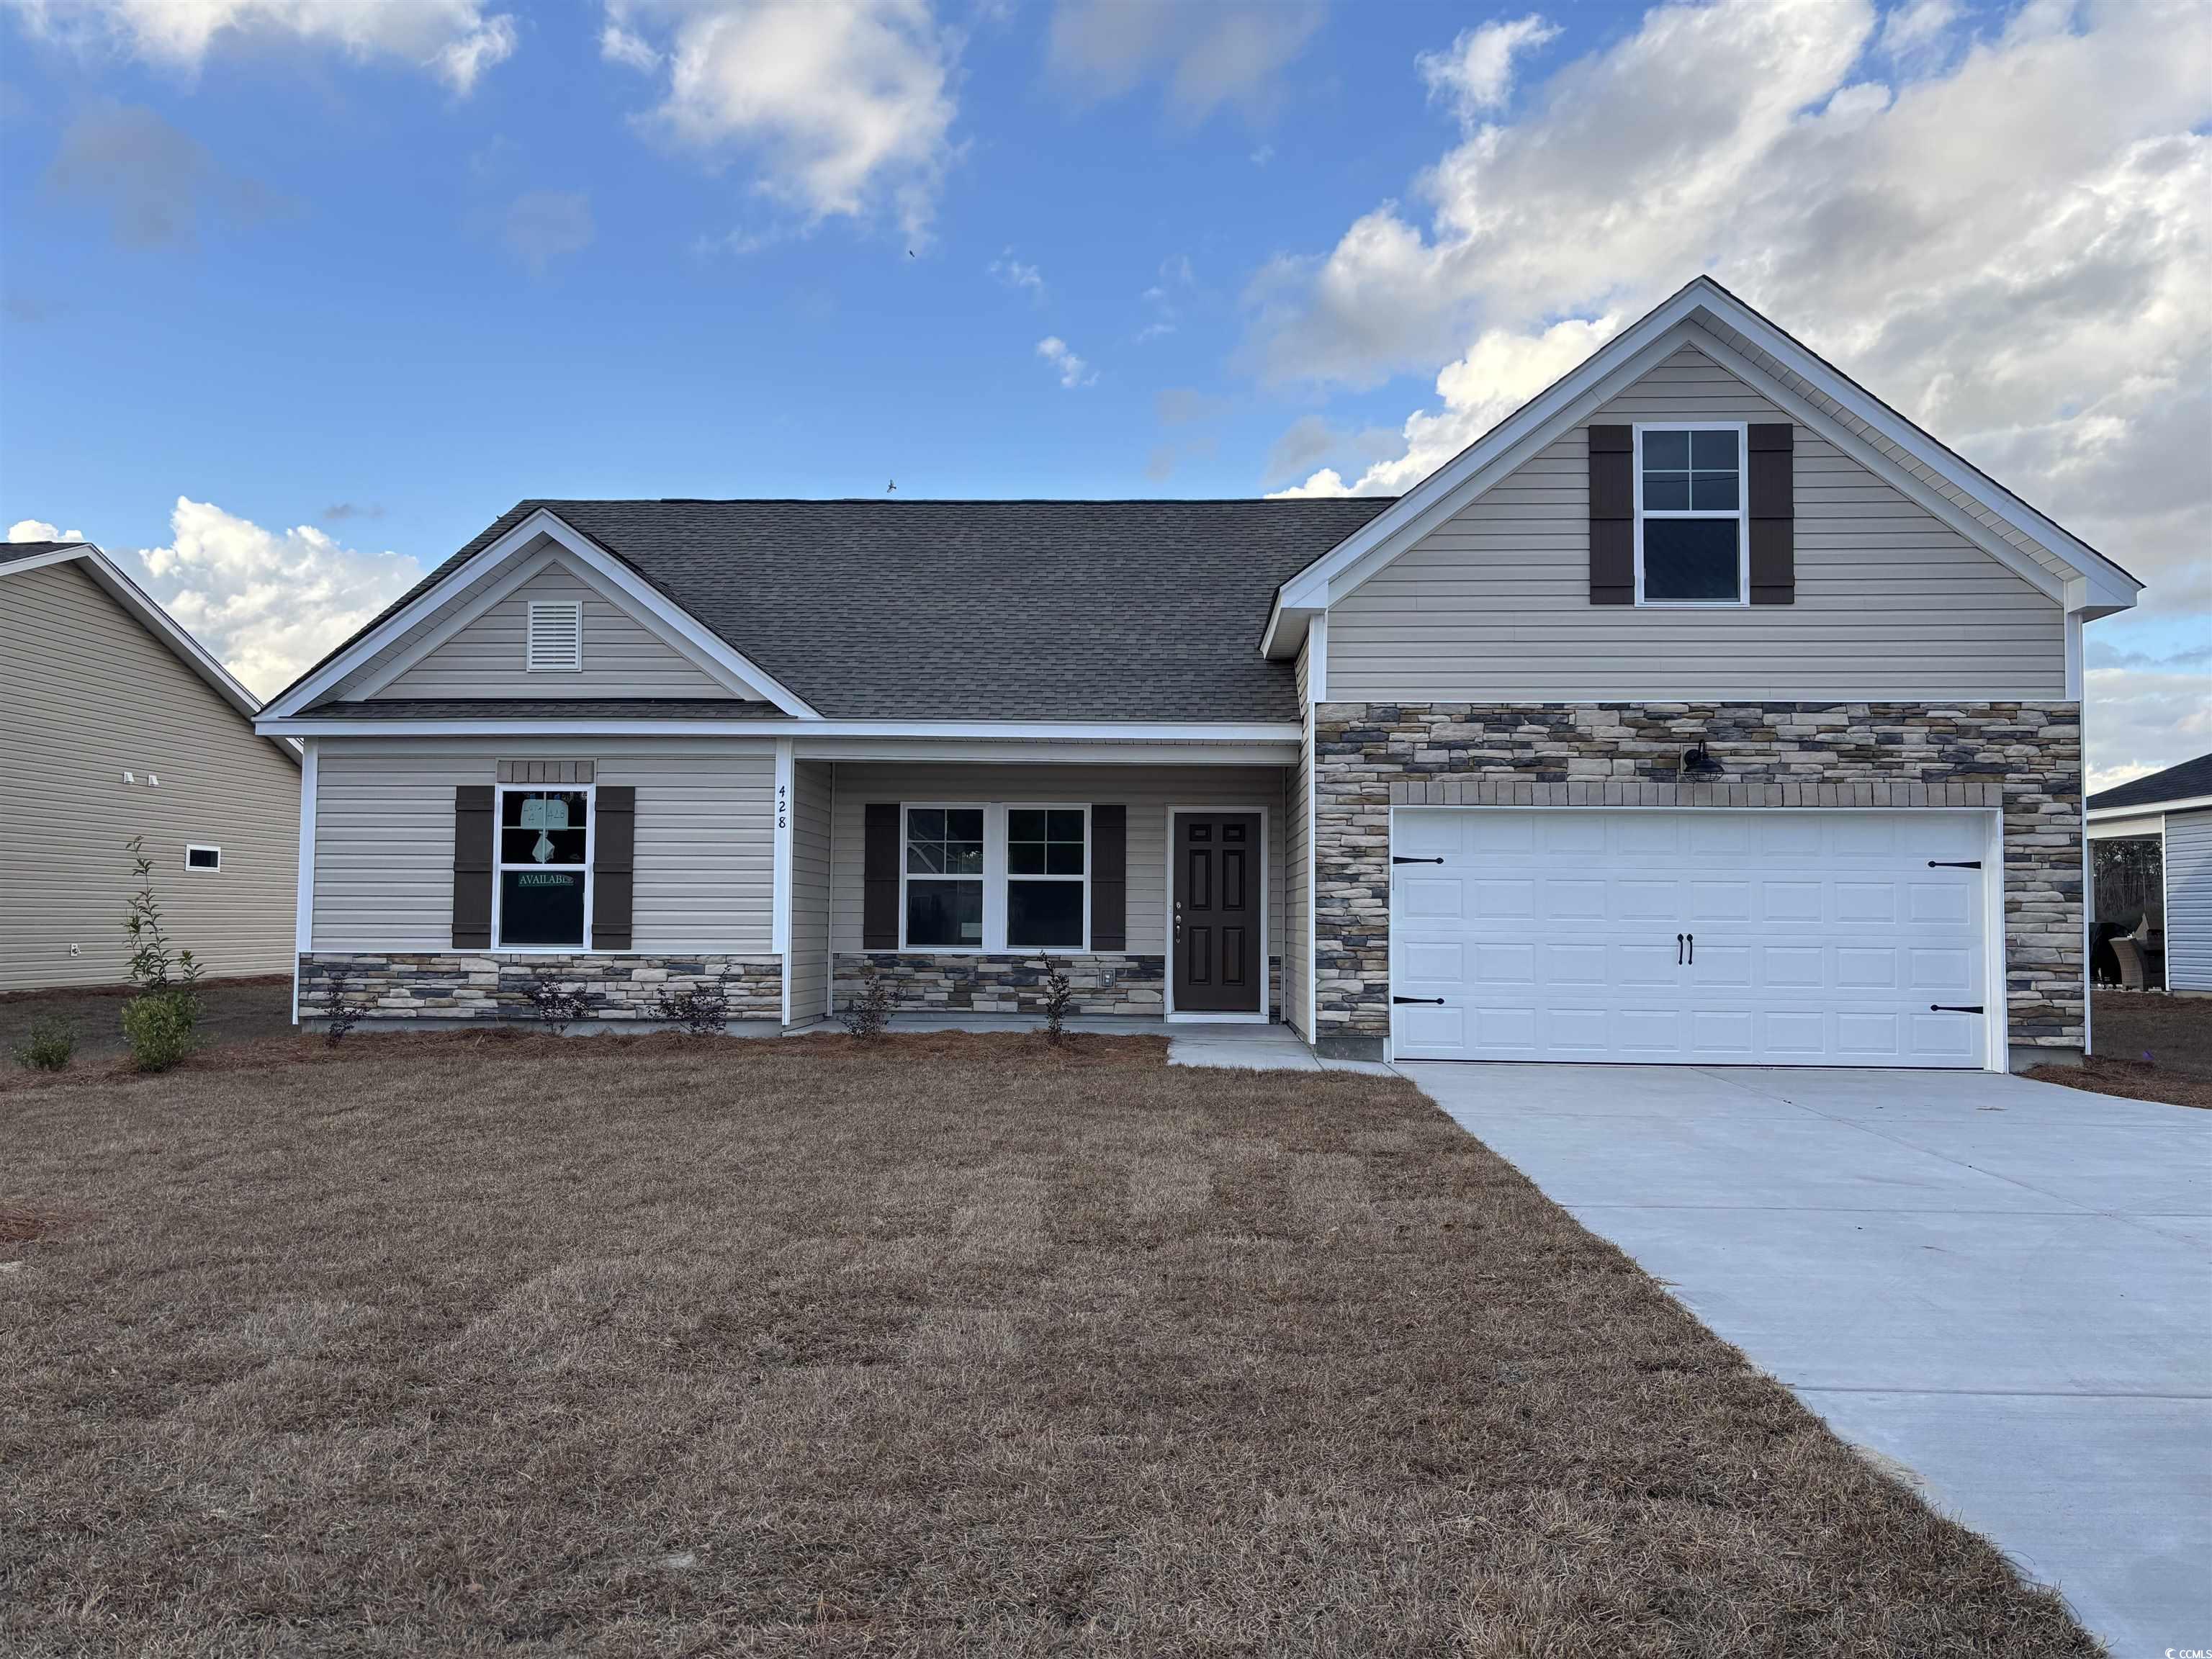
300	294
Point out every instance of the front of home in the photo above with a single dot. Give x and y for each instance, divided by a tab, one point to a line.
1705	711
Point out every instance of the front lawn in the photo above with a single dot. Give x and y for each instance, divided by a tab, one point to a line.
953	1344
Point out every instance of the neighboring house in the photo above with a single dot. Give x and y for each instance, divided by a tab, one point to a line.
118	724
2173	808
1705	710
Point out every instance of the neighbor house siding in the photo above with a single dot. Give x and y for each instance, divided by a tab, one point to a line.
810	796
1297	866
1147	791
384	838
2189	901
622	658
89	694
1494	604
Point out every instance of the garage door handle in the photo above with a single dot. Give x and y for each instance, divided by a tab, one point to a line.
1954	1008
1436	1001
1396	858
1955	863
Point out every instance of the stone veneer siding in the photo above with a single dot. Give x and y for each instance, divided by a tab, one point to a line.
1013	983
2022	757
472	985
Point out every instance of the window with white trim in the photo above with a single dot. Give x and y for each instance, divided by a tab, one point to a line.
1047	876
541	869
556	637
1691	544
941	905
203	858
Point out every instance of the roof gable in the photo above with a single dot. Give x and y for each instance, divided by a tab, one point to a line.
19	558
1812	391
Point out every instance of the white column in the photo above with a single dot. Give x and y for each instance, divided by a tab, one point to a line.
303	919
779	927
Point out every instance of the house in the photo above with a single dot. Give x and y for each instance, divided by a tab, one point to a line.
119	724
1705	710
2172	812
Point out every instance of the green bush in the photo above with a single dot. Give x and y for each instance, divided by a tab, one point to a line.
46	1047
158	1025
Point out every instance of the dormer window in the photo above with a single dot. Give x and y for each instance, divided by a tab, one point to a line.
557	636
1691	544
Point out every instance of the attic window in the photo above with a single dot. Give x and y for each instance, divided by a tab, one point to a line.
557	636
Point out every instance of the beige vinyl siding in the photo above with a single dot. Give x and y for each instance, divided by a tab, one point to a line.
810	796
1297	865
1146	790
89	694
384	838
1494	604
622	658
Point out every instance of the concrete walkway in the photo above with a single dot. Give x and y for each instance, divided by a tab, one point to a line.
2005	1286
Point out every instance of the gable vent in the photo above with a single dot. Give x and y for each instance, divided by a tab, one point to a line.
557	636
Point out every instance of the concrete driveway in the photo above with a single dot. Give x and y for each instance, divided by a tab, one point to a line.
2003	1286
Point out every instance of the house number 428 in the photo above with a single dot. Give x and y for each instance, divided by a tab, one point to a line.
783	805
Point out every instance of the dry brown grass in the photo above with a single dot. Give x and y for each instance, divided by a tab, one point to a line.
2150	1046
956	1345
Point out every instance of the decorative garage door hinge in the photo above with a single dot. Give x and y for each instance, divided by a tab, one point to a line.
1954	864
1954	1008
1400	858
1438	1001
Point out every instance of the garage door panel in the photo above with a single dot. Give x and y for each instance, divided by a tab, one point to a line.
1820	937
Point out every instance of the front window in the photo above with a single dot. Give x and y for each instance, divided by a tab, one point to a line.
1689	515
544	868
1045	870
944	877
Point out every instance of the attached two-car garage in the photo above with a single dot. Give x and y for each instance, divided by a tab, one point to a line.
1752	937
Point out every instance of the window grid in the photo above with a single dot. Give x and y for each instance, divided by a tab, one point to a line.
1712	493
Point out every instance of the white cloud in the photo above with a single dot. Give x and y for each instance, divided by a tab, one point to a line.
1475	74
2012	248
844	107
37	530
1227	51
546	225
1016	275
268	603
456	40
1073	371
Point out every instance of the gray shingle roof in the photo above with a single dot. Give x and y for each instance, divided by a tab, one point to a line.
12	552
1014	611
2186	781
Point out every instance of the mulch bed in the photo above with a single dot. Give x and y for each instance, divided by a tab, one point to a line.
952	1344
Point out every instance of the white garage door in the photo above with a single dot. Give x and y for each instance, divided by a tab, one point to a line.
1753	937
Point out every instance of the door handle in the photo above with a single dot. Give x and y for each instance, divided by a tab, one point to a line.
1679	937
1692	938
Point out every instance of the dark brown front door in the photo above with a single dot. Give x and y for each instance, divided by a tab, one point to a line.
1217	913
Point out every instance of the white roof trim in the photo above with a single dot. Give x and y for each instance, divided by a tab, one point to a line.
164	627
2093	583
812	725
2148	808
671	620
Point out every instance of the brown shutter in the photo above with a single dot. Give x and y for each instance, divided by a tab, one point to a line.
1771	496
614	864
473	807
1612	515
1110	877
879	877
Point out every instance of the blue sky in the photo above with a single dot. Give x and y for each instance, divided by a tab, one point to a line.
300	294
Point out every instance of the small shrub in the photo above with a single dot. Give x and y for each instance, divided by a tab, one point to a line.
868	1013
343	1012
556	1007
1059	997
703	1011
160	1022
46	1047
159	1026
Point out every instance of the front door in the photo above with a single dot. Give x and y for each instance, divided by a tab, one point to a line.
1217	913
